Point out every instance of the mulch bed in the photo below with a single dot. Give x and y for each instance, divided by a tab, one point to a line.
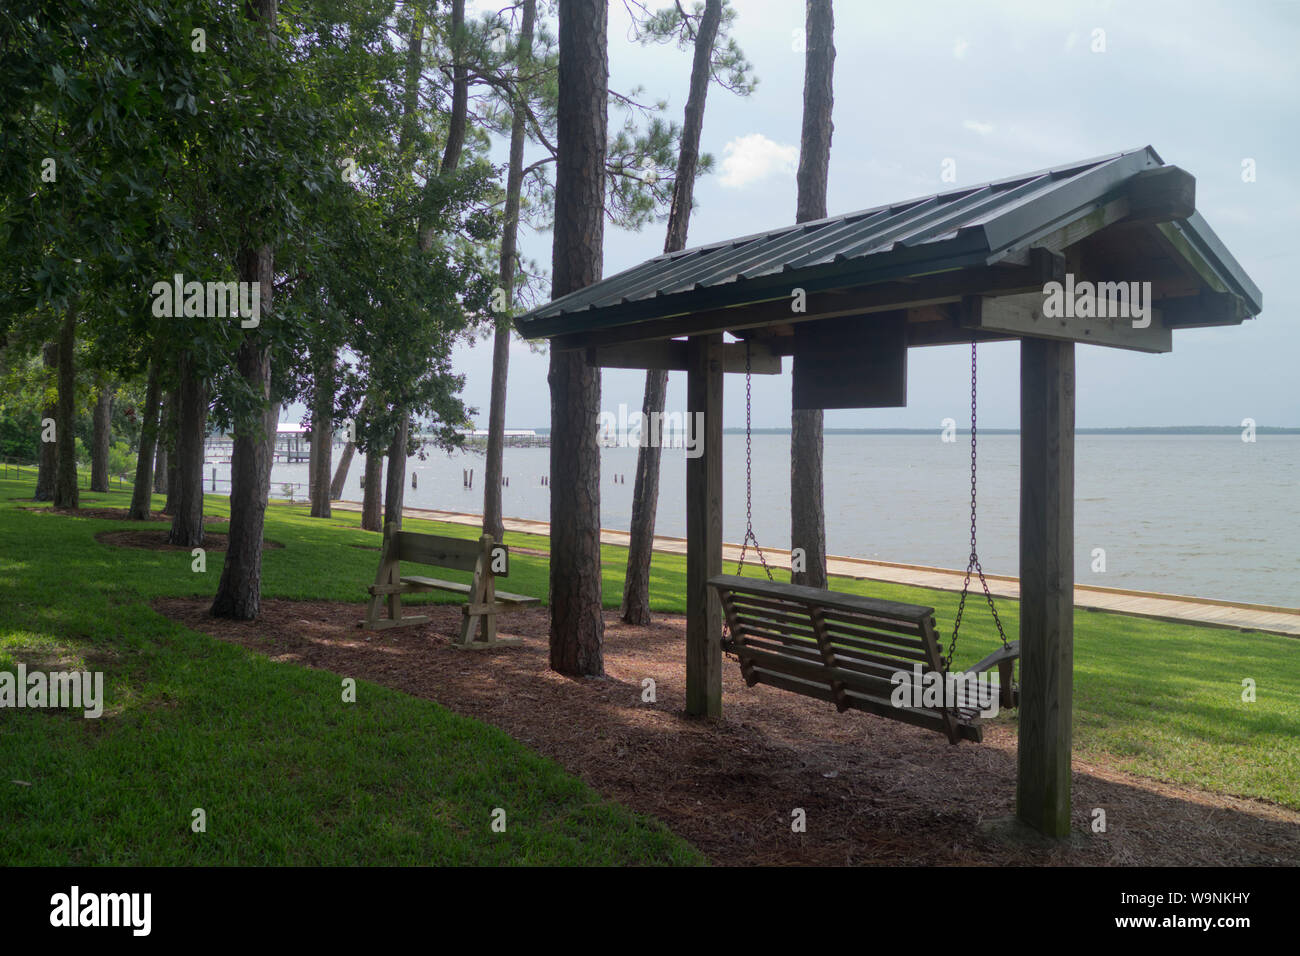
114	514
157	541
874	791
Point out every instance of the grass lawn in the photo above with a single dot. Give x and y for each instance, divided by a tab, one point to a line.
287	773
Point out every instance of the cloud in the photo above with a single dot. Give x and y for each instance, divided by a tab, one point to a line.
960	47
977	127
748	159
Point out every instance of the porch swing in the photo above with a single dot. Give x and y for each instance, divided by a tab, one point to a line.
847	649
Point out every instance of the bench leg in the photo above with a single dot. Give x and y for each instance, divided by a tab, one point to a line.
479	632
372	612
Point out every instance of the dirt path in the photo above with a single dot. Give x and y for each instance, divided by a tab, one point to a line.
874	791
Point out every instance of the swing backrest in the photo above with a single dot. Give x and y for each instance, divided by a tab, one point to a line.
842	648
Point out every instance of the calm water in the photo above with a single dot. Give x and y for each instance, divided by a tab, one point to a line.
1204	515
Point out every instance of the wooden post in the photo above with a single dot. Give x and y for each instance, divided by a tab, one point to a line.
392	563
488	631
1046	583
704	527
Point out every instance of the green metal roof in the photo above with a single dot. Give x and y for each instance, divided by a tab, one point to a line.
972	226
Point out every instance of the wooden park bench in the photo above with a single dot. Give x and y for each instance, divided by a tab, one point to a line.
484	557
846	649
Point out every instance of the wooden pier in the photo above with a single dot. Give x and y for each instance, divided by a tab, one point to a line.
511	441
289	447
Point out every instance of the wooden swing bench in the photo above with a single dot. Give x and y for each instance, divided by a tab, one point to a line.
484	557
846	649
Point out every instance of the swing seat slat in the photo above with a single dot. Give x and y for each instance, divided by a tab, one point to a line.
847	649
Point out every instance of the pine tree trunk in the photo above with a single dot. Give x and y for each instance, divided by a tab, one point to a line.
102	438
49	455
645	502
66	493
160	468
141	491
239	594
807	510
166	431
577	628
322	436
456	118
394	486
411	81
456	121
167	441
807	501
341	472
372	486
191	428
645	493
494	467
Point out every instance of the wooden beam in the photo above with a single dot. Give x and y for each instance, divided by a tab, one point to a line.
762	360
927	328
671	354
1162	194
1047	390
1202	311
704	530
1022	316
933	289
926	325
667	354
848	363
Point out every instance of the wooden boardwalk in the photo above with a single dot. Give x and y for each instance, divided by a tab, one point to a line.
1163	607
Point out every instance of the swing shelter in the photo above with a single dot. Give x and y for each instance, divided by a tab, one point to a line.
846	298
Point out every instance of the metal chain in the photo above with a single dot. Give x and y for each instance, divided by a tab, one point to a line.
973	564
749	476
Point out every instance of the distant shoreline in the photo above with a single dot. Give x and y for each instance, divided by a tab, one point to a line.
1132	430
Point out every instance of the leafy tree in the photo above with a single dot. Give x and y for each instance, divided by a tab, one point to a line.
493	523
94	96
717	58
639	175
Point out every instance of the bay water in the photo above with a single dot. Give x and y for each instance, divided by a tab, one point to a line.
1205	515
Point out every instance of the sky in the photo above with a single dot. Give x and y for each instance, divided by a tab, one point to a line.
998	88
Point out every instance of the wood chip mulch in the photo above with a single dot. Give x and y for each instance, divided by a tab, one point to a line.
874	791
157	541
113	514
